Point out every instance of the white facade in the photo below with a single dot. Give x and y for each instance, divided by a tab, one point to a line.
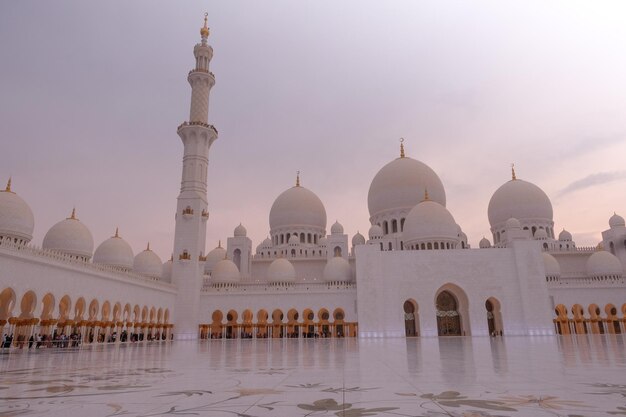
415	275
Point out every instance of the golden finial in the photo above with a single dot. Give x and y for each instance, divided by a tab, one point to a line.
513	172
117	234
426	197
219	243
298	179
73	215
401	147
204	32
148	248
8	189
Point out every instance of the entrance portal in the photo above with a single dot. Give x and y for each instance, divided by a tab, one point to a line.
410	329
448	318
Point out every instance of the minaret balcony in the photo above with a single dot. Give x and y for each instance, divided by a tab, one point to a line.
205	125
205	215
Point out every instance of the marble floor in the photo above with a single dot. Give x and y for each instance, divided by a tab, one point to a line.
434	377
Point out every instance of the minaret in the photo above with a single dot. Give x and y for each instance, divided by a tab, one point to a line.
191	213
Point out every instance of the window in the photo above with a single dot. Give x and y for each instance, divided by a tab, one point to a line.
394	226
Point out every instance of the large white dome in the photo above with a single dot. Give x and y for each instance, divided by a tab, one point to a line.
337	269
114	252
213	257
225	272
70	236
430	221
16	217
553	269
401	185
604	264
519	199
148	263
281	271
297	207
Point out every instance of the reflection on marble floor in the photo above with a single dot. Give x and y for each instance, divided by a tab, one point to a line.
434	377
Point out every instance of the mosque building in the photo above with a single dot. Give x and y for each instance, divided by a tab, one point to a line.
413	275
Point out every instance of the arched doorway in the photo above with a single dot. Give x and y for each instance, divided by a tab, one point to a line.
448	318
410	318
494	317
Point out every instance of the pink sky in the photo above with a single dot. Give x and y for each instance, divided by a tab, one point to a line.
92	93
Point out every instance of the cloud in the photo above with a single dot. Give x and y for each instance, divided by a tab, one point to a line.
593	180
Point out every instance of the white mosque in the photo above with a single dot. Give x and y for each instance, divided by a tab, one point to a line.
414	274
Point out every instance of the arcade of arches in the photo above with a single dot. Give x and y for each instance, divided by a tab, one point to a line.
84	322
593	319
275	324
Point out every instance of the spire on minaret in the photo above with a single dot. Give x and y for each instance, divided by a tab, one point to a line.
297	178
8	189
513	172
204	32
401	147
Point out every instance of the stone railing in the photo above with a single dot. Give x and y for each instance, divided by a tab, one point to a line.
34	252
266	287
583	281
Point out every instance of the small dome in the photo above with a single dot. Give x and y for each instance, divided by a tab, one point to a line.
565	236
297	207
430	220
166	271
553	269
148	263
281	270
294	240
337	269
114	252
602	264
401	184
323	241
616	221
213	257
240	231
336	228
69	236
375	232
512	223
462	235
484	243
225	272
541	234
16	217
266	244
358	239
520	199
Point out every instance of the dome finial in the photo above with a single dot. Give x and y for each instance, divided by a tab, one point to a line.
426	197
204	32
8	189
401	147
148	248
117	234
513	172
219	243
73	215
298	179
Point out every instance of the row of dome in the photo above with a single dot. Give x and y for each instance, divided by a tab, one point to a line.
280	271
601	264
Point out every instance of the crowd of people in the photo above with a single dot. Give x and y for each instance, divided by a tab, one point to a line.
61	340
